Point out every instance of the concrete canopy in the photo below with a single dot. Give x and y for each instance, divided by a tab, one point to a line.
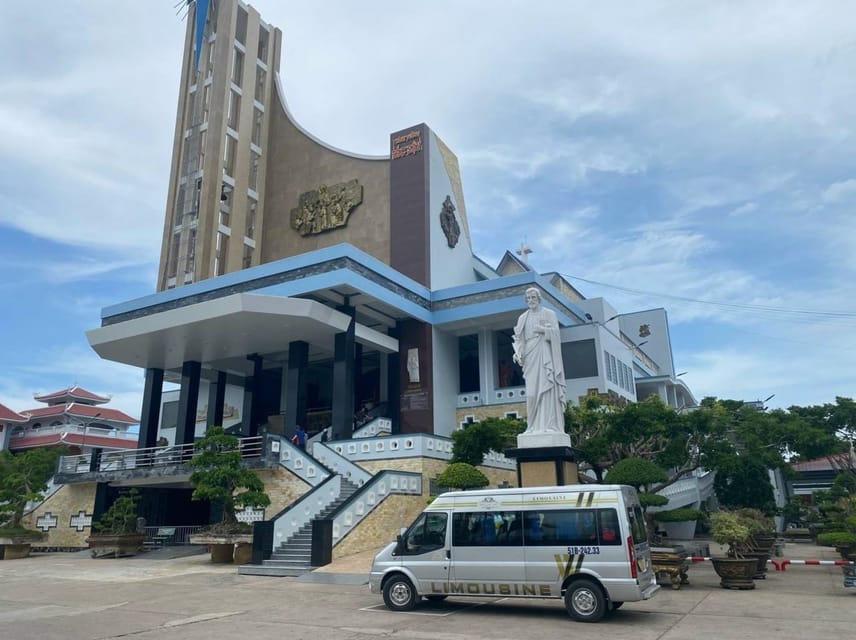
226	330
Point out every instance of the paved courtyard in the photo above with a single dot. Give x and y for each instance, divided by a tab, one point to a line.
73	597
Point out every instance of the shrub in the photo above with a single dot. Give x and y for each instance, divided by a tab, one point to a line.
836	539
461	475
121	517
726	529
683	514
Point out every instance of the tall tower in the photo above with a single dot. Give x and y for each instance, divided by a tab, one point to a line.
215	202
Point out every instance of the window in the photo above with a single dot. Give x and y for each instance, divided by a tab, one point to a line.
172	264
250	228
224	218
206	102
241	26
253	181
237	66
229	155
468	363
191	251
606	367
614	369
222	252
509	373
264	37
261	76
487	529
637	525
233	113
209	66
257	127
571	527
428	533
248	257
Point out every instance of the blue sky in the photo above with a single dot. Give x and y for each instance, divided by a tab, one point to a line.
669	152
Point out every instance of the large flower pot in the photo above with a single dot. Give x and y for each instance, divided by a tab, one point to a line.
735	573
764	543
849	571
104	545
226	549
761	558
682	530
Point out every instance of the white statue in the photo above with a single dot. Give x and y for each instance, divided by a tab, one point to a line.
538	349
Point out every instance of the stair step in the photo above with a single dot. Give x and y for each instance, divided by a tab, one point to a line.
261	570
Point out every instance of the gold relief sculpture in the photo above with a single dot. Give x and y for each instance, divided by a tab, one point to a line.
326	207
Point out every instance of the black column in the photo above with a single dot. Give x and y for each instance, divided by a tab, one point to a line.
393	386
187	400
151	408
216	399
343	379
295	385
250	421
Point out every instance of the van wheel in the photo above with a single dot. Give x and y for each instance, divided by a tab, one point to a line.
398	594
584	601
436	598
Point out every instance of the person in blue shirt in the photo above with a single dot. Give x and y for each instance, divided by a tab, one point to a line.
299	438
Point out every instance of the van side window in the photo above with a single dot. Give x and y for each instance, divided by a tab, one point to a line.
487	529
572	527
637	524
428	533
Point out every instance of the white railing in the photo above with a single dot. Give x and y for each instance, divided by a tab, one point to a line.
494	396
370	496
337	463
306	509
124	459
408	446
377	427
84	430
297	460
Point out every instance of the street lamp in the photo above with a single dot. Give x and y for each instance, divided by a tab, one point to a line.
85	426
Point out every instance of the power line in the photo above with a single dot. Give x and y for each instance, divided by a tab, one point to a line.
728	305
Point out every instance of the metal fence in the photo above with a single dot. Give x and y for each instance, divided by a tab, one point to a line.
169	536
123	459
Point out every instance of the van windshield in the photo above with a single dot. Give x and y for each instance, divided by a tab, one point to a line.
637	524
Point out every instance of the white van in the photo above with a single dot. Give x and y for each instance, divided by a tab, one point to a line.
586	543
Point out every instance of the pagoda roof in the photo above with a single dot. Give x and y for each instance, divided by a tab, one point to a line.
78	410
72	394
7	415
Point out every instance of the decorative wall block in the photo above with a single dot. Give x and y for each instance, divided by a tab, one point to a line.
408	444
47	521
80	521
365	448
360	508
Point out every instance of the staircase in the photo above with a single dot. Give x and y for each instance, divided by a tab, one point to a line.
294	556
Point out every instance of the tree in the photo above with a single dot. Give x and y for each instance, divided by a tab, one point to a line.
219	474
24	478
491	434
745	482
121	517
462	475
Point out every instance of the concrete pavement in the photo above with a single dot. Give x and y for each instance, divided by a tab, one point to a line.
73	597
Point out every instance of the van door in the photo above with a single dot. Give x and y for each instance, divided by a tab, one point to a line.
425	551
487	553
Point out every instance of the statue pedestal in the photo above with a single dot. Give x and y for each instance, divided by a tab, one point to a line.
541	463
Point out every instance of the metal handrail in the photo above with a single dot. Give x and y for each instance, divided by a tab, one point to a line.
121	459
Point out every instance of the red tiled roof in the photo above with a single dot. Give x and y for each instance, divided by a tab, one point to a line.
81	411
7	415
69	394
30	441
837	461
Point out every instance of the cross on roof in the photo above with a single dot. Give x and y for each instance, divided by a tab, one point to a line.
523	251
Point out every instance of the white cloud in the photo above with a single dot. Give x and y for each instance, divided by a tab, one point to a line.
839	192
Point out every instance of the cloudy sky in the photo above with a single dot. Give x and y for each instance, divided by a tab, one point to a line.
695	156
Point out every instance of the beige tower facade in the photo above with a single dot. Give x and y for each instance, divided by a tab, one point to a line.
215	203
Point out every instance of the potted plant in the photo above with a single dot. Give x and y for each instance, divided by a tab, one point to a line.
23	479
115	532
761	538
680	523
220	476
735	571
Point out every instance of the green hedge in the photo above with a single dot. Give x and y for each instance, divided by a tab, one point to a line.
836	539
683	514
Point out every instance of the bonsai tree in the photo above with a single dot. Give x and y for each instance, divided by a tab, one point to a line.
640	473
682	514
219	476
727	529
461	475
23	478
491	434
121	517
